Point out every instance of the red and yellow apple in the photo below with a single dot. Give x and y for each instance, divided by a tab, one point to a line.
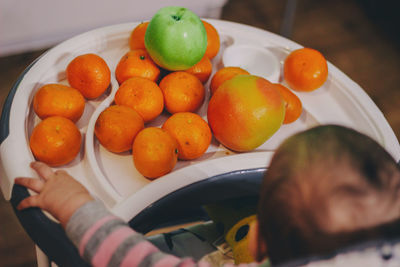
245	112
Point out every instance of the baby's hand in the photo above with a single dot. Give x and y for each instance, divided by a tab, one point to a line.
58	193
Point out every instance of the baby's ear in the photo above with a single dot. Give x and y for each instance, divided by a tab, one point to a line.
257	246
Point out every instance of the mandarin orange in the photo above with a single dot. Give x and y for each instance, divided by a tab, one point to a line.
90	74
136	63
224	74
117	126
155	152
293	106
182	92
142	95
192	133
213	40
55	141
305	69
202	70
136	38
58	100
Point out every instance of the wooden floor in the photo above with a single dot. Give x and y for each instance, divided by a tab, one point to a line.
358	39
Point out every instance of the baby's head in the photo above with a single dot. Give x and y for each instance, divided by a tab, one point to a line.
325	188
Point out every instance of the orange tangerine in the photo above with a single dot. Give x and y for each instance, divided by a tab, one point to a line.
293	106
192	133
202	70
136	38
213	41
155	152
224	74
117	126
182	92
136	63
58	100
305	69
55	141
142	95
90	74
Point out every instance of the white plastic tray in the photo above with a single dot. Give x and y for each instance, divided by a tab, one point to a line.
113	177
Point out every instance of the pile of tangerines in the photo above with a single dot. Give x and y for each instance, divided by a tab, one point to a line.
145	91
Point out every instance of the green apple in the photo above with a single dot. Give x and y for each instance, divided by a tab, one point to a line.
175	38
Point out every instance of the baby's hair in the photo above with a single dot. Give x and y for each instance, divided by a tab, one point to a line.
325	188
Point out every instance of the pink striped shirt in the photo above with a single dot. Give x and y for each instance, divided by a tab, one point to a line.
105	240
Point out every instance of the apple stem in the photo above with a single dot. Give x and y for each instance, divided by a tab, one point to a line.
177	18
179	14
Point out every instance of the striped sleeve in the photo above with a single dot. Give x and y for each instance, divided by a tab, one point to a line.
105	240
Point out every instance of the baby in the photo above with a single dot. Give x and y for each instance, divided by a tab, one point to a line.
326	188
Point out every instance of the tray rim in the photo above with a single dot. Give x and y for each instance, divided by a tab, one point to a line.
374	115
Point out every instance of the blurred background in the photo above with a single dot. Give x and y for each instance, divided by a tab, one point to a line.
360	37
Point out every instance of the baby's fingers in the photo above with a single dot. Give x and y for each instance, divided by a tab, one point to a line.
42	169
31	183
32	201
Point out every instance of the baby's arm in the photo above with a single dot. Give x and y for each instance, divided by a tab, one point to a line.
105	240
101	238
